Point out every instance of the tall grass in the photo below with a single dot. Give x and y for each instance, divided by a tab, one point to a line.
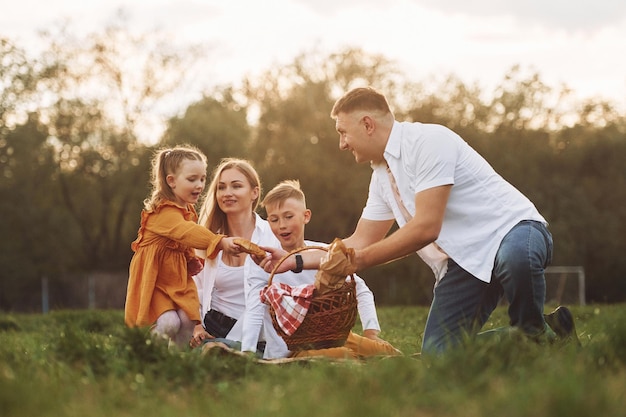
87	363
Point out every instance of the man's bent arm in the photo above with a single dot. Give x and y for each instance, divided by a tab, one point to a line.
420	231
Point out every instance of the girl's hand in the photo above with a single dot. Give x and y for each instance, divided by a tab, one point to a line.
229	246
194	266
199	335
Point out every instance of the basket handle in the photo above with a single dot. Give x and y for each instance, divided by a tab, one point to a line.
324	248
269	282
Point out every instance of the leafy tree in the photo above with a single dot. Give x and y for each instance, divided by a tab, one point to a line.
76	139
587	198
217	125
36	240
88	98
32	227
20	77
295	137
106	84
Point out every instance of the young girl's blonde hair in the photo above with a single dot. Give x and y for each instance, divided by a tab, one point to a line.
211	216
167	162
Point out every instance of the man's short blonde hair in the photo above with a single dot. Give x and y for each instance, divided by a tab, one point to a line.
282	191
362	98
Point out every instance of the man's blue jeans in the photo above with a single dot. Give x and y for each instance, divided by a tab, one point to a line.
462	303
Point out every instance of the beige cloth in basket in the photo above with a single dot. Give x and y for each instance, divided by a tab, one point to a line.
335	267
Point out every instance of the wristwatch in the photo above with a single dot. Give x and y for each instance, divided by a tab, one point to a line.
299	264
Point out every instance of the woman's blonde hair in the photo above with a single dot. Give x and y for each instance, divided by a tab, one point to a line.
211	216
166	162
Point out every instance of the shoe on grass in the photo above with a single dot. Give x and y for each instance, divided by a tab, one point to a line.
561	321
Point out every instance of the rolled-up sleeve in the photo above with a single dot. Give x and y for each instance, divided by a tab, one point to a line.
171	223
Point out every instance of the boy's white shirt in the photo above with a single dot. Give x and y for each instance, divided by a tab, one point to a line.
257	323
205	280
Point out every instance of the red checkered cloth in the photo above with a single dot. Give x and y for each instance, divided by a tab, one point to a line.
290	304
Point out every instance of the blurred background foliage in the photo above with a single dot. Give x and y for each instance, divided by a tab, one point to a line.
74	156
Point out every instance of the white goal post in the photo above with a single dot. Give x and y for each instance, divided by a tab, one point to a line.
563	273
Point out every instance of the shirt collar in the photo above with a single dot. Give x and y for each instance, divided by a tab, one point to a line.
258	230
392	149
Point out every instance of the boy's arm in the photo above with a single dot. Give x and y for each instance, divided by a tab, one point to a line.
367	308
366	233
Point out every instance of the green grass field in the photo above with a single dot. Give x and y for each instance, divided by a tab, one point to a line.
87	363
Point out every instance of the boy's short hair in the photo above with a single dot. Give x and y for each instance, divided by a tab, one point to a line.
282	191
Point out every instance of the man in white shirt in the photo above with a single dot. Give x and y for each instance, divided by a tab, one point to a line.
482	238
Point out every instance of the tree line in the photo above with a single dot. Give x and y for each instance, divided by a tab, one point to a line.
74	166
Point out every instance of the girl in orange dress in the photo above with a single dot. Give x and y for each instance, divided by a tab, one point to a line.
161	292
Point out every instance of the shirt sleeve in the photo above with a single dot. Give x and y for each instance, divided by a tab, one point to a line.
254	312
366	306
376	208
171	223
436	158
197	279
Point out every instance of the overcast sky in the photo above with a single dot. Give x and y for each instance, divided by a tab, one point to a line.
578	43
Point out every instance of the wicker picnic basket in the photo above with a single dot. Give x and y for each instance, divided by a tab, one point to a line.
329	319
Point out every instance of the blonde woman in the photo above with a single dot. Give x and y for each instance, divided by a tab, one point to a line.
230	209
